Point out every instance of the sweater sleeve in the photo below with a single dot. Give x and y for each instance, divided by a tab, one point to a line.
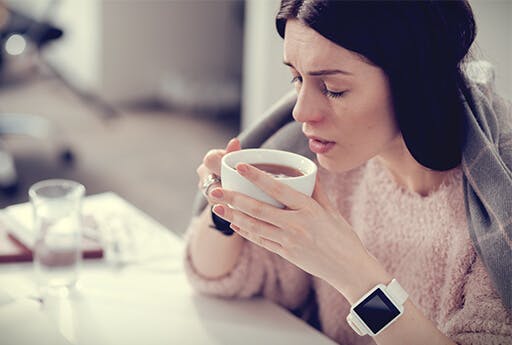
481	318
258	272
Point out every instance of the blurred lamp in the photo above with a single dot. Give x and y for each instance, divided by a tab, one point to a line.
15	44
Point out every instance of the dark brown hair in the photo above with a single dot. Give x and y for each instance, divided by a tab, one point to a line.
420	46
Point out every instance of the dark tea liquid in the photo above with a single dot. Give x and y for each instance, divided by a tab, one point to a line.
277	170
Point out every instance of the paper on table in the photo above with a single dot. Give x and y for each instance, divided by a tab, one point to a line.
18	221
12	250
151	241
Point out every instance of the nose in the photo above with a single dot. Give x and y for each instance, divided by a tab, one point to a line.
307	108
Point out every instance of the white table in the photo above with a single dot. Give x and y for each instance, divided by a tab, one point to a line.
149	302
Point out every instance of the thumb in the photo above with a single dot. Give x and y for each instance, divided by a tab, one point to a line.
233	145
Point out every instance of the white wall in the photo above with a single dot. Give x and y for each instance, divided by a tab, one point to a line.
149	42
77	54
126	50
494	38
266	78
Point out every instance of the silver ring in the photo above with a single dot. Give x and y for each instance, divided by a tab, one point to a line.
208	182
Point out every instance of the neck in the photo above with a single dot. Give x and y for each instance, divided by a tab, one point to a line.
408	173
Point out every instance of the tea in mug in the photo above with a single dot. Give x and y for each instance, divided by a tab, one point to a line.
277	170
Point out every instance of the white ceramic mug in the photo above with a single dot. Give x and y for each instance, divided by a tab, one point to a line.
232	180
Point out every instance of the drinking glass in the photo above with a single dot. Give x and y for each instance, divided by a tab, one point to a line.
58	225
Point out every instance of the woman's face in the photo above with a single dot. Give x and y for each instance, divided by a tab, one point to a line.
344	103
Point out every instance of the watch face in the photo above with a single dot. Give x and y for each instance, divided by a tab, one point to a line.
376	310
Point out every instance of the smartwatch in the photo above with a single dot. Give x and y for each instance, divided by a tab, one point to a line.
377	309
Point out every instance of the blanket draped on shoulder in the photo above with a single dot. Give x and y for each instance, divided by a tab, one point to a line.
487	168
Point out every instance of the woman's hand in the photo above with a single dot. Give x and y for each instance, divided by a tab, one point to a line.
309	232
212	254
212	162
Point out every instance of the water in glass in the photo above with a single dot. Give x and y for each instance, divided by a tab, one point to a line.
58	224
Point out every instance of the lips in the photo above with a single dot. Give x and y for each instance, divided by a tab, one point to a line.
320	145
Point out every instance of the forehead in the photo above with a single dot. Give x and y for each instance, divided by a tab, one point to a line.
306	48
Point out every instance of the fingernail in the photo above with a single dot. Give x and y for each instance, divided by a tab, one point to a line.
219	210
217	193
242	169
234	227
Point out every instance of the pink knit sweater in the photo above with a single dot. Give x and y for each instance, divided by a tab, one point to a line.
422	241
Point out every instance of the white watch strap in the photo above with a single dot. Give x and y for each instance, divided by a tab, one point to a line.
396	292
355	324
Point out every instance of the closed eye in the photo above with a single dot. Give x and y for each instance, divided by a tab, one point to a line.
330	93
296	79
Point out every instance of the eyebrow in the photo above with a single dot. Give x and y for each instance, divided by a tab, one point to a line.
321	72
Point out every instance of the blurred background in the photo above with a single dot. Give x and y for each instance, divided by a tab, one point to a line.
128	95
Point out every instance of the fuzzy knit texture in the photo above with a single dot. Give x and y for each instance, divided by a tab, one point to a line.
421	240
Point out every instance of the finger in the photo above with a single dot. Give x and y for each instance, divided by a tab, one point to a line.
212	160
281	192
202	171
252	207
209	199
260	241
254	227
233	145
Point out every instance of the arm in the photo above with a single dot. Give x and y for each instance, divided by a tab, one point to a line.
229	266
240	269
205	243
413	326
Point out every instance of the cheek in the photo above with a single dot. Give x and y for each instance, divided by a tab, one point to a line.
376	118
381	127
364	131
368	124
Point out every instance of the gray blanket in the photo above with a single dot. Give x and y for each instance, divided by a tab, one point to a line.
487	167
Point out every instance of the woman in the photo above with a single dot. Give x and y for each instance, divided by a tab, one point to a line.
380	97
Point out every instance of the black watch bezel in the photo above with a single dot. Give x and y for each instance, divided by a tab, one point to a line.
377	311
